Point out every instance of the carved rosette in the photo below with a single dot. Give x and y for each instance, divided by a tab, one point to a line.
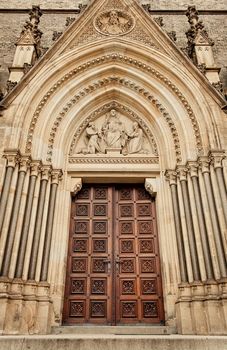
114	22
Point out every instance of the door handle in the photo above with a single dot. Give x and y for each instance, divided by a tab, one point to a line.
108	262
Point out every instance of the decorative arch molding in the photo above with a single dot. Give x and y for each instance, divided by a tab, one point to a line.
116	57
128	84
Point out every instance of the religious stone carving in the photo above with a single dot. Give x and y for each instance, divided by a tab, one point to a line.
114	22
114	134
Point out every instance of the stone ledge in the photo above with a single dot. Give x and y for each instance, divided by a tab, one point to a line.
113	342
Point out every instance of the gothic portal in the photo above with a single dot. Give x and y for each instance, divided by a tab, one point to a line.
113	177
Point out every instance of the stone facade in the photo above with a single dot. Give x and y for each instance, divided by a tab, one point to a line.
173	113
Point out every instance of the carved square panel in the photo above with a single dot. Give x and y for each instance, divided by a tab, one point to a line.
125	194
126	210
82	209
128	286
98	286
84	193
128	309
99	245
147	265
99	265
146	246
77	309
145	227
79	265
126	227
100	209
127	245
127	265
82	227
150	309
98	308
100	227
80	245
144	209
142	194
148	286
78	286
101	193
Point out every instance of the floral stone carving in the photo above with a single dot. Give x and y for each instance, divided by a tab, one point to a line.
114	22
113	133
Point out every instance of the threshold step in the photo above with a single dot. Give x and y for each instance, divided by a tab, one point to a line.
117	330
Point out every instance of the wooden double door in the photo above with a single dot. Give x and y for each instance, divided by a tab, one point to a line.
113	268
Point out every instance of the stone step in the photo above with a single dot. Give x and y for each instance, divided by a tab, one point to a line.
117	330
113	342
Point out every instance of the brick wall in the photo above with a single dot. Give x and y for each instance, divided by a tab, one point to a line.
11	24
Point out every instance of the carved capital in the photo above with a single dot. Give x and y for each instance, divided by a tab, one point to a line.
24	162
45	172
171	176
182	172
150	186
56	176
35	167
216	157
12	157
204	163
193	168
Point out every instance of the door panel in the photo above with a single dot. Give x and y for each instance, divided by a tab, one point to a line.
113	274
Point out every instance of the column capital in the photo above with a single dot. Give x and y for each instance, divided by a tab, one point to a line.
216	157
193	167
204	163
56	176
171	176
12	157
182	172
35	167
45	172
24	162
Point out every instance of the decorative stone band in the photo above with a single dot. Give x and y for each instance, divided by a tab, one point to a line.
18	228
113	160
205	229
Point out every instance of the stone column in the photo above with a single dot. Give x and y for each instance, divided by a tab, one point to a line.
216	160
193	171
45	173
171	176
35	168
182	172
205	168
23	166
55	177
12	158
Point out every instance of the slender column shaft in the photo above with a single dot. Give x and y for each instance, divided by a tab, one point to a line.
218	242
182	171
38	224
222	189
27	220
216	157
205	245
176	210
48	234
13	223
5	194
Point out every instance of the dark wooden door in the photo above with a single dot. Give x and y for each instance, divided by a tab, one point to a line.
113	269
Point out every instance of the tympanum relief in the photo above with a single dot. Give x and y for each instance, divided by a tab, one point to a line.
113	134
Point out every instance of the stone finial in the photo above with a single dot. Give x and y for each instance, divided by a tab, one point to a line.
30	33
199	48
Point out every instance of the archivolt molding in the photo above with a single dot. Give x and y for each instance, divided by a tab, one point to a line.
114	57
128	84
103	110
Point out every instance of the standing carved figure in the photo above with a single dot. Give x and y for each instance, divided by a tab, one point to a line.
92	135
135	143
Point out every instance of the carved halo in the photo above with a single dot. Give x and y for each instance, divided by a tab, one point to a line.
114	22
